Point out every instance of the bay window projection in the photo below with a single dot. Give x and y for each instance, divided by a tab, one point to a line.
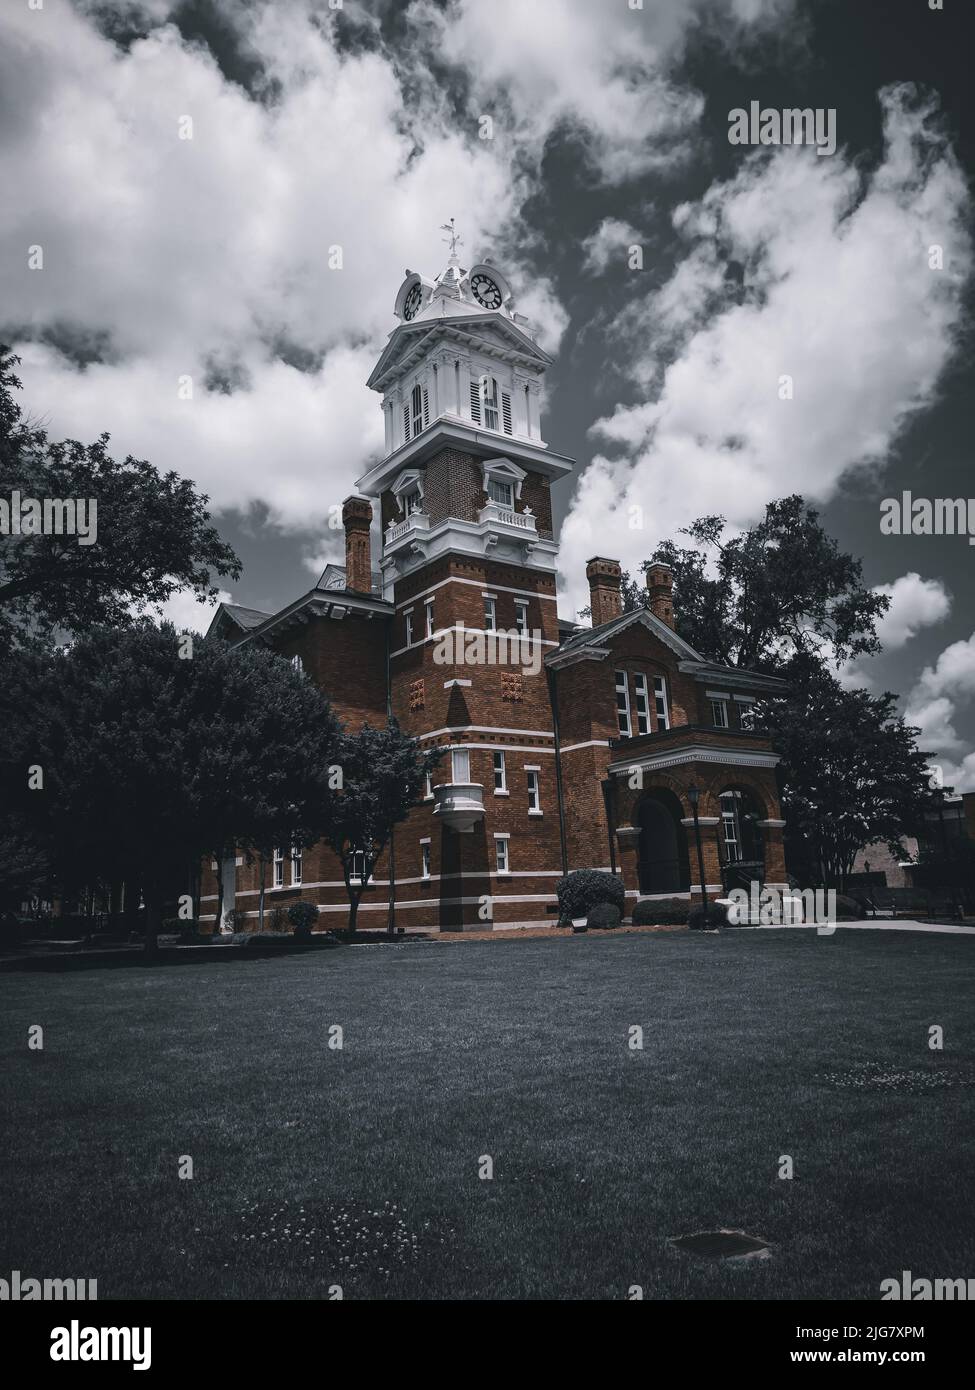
642	703
623	705
500	775
277	874
661	706
534	792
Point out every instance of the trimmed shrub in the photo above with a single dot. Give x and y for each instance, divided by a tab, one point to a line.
700	920
276	918
848	909
664	912
583	889
302	917
603	916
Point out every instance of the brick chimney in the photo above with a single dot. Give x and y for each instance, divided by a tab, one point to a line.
660	583
357	518
604	589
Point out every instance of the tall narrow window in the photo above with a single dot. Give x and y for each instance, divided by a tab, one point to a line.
642	703
660	703
489	401
521	615
731	825
746	713
357	866
428	612
623	705
501	851
534	794
424	858
409	629
719	714
412	502
460	766
500	773
490	614
296	864
277	877
428	785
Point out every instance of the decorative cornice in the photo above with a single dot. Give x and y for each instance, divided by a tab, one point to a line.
697	753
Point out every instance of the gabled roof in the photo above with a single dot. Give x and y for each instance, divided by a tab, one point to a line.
333	577
235	616
596	640
409	340
594	637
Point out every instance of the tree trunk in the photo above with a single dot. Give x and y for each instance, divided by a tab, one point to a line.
353	910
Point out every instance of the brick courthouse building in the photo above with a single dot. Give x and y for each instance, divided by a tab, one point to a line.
573	747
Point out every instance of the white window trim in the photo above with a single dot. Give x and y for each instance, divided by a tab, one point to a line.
661	694
721	704
521	612
534	779
503	471
428	618
503	789
425	858
490	612
642	688
499	838
296	853
277	867
624	690
409	627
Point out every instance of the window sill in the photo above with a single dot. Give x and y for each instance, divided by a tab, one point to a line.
536	813
498	793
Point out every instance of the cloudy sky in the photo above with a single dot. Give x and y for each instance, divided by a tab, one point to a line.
187	164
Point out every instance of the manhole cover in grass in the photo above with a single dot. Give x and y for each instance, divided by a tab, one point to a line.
723	1245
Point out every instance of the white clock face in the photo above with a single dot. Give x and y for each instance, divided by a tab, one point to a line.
412	305
486	292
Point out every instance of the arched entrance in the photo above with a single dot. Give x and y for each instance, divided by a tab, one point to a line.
664	865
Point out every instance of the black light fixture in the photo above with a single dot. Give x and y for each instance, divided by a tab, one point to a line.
694	796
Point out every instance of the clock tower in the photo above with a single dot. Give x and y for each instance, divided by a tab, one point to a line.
468	566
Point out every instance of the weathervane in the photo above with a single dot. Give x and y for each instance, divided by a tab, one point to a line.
452	237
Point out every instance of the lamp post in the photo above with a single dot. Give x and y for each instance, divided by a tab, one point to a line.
694	796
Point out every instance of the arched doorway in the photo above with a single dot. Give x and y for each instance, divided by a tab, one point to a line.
741	840
664	865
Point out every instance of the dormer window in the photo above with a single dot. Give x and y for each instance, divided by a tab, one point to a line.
502	481
408	491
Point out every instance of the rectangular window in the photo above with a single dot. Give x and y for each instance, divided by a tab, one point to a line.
534	794
501	851
428	785
424	858
642	703
428	611
500	773
489	400
460	761
296	864
746	714
409	629
298	664
623	705
278	871
719	714
412	502
490	614
521	615
357	866
500	492
660	703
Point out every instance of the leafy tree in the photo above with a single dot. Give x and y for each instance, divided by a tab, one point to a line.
153	533
851	772
149	758
383	771
781	589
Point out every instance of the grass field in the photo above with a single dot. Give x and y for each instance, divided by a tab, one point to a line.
315	1166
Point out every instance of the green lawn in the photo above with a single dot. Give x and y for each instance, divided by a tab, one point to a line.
359	1167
